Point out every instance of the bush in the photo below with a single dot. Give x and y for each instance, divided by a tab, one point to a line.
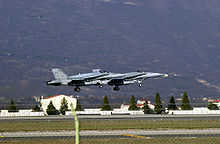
12	107
36	109
51	110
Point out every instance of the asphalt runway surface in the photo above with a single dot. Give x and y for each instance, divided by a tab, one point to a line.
109	137
113	117
112	132
148	134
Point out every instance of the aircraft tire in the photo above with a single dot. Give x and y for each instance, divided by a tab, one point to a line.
116	88
77	89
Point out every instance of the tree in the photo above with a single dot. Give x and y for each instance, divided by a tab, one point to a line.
36	108
212	106
51	110
185	102
133	105
63	106
172	104
146	108
158	104
105	104
12	107
78	106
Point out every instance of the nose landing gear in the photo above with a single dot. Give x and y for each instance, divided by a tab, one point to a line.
140	83
116	88
77	89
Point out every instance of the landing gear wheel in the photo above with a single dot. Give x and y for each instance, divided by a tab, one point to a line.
140	84
116	88
77	89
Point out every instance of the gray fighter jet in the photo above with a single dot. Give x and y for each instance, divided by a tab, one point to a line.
86	79
100	78
131	78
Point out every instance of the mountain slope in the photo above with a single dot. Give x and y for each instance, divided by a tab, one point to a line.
167	36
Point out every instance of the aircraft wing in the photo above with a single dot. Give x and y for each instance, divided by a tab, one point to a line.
133	76
76	82
81	79
120	81
94	77
129	76
87	77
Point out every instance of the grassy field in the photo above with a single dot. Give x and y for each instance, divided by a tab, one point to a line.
209	140
112	125
108	125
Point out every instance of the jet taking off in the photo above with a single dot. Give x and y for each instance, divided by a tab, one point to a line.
76	80
98	77
131	78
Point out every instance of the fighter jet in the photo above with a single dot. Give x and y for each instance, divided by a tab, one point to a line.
100	78
131	78
86	79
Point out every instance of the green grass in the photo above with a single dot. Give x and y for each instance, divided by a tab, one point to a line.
112	125
209	140
108	125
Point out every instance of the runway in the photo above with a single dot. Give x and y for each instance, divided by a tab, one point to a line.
111	132
149	134
113	117
110	137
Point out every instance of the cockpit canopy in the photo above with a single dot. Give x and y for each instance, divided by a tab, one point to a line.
98	71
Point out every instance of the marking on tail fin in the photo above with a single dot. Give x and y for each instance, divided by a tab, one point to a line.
59	74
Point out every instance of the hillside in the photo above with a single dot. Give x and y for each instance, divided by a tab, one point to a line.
169	36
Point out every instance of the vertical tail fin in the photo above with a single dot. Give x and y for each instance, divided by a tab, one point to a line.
59	74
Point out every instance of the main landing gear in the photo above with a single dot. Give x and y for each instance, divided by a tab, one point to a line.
116	88
77	89
140	83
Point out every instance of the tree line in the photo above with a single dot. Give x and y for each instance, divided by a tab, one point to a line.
51	110
185	105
